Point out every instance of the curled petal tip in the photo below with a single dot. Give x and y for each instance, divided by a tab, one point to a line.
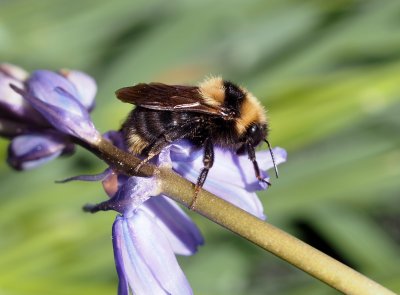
85	85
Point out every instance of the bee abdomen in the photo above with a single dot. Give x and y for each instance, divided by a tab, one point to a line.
143	127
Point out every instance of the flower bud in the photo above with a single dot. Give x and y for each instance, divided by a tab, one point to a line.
56	99
12	104
30	151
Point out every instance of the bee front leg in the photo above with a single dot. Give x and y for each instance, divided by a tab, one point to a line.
208	161
252	156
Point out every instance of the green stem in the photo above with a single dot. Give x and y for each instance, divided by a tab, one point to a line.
263	234
270	238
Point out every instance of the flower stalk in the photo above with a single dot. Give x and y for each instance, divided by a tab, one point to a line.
120	160
261	233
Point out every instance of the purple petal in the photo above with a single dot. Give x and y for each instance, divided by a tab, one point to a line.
120	256
133	272
185	151
85	85
13	105
31	151
226	179
246	168
144	258
232	177
133	193
265	161
225	188
181	231
228	167
164	266
42	84
55	98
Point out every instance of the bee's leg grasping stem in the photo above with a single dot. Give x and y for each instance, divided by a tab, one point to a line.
208	161
144	161
252	156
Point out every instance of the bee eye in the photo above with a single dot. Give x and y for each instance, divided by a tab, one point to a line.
256	133
253	129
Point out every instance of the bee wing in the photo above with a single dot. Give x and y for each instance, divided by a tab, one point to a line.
158	96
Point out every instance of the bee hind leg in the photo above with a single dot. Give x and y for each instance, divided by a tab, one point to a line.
208	161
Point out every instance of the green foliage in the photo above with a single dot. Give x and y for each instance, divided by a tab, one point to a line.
328	73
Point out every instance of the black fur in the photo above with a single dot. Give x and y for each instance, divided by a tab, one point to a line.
150	125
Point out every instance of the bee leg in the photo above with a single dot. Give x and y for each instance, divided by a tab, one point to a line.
167	138
208	161
252	156
144	161
155	149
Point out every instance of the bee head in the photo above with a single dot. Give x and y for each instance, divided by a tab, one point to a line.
256	133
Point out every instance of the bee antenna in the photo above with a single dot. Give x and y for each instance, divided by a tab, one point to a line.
273	158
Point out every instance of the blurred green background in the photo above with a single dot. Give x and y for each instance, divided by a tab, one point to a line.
329	74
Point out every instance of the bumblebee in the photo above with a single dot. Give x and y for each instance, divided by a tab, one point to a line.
215	113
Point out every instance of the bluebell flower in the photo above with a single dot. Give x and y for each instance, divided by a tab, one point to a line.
40	112
147	234
59	101
31	150
152	229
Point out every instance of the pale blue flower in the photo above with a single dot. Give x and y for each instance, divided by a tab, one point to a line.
40	112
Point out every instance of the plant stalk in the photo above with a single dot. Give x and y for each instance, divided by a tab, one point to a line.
261	233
